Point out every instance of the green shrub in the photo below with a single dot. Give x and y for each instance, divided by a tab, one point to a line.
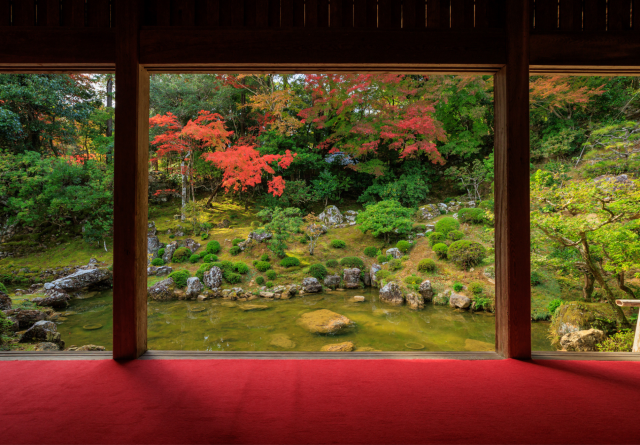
475	216
4	290
332	263
263	266
181	255
205	236
351	262
413	280
457	287
435	238
241	267
235	250
446	225
318	271
269	284
395	265
259	280
540	315
172	236
554	304
371	252
419	227
403	246
427	265
210	258
289	262
304	240
271	274
194	258
213	247
160	253
466	254
255	224
455	235
155	262
441	250
226	265
382	274
338	244
383	258
619	342
237	241
232	277
265	257
476	288
482	303
180	278
204	267
536	278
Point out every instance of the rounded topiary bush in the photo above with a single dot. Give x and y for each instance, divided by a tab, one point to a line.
255	224
226	265
155	262
235	250
403	246
457	287
210	258
194	258
338	244
466	254
271	274
332	263
447	224
260	281
241	267
213	247
161	253
318	271
232	277
269	284
419	227
475	216
435	238
441	250
395	264
383	258
455	235
263	266
413	280
265	257
476	288
181	255
237	241
289	262
382	274
427	265
371	252
351	262
180	277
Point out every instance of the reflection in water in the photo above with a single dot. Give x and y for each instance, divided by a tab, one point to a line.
221	325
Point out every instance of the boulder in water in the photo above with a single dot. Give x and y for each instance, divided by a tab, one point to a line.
162	291
415	301
459	301
311	285
55	298
81	279
426	291
46	346
346	346
324	321
213	278
582	341
352	278
42	331
332	281
391	294
194	287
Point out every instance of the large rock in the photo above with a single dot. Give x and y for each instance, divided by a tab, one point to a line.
426	291
367	279
375	268
260	237
428	212
163	270
391	294
24	319
153	245
168	252
311	285
192	245
5	302
459	301
331	216
55	298
582	340
352	278
194	287
332	281
42	331
244	244
151	229
394	252
162	291
351	216
415	301
580	316
213	278
87	348
347	346
81	279
46	346
324	321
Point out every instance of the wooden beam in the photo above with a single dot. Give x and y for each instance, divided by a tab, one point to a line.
513	265
49	13
130	189
198	46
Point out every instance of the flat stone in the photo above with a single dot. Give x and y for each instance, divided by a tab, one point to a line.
477	345
282	341
324	321
346	346
267	294
253	307
359	299
459	301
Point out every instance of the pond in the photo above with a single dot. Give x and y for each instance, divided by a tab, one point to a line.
222	325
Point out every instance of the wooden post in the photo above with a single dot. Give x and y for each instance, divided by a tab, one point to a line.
513	265
130	188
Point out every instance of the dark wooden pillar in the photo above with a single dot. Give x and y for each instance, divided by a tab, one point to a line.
131	188
513	265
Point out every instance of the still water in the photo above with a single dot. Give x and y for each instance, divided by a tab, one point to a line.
222	325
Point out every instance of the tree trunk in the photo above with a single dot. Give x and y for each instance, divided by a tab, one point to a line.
110	105
214	193
185	187
589	282
623	287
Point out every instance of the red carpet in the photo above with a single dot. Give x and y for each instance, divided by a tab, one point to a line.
318	401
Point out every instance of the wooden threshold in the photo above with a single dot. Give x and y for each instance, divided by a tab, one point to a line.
593	356
54	355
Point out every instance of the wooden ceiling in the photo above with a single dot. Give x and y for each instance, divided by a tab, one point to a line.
589	36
